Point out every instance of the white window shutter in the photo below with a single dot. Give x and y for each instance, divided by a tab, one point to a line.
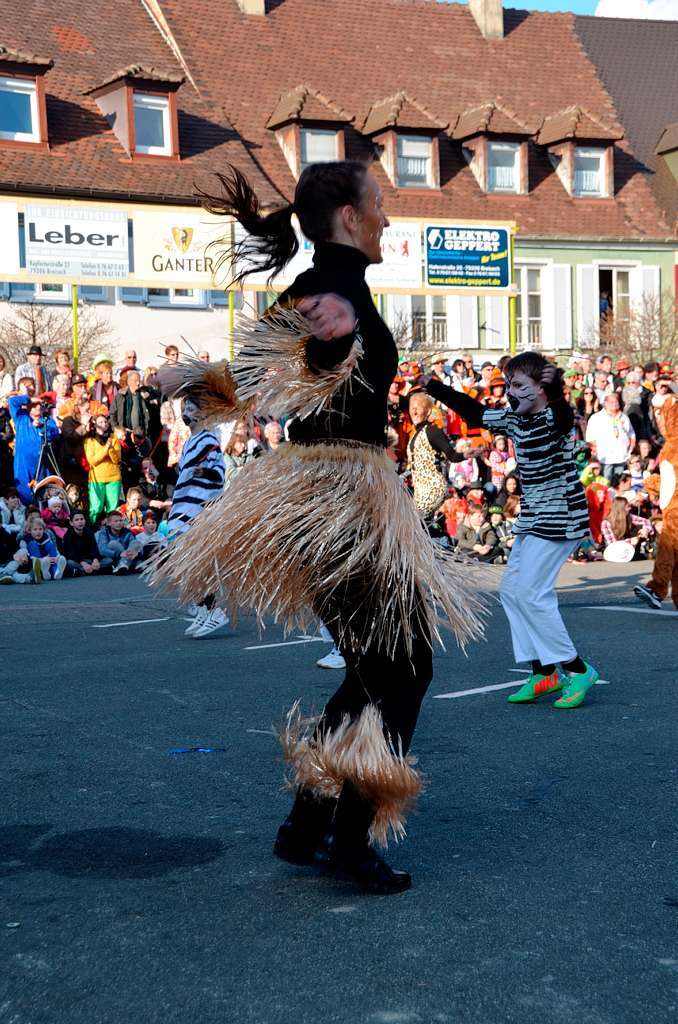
651	282
588	306
462	321
497	322
556	306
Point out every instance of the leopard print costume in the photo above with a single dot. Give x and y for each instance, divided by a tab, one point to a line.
425	465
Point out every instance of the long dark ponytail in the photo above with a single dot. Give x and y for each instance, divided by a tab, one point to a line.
272	241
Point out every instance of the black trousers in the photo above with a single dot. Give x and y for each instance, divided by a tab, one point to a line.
395	682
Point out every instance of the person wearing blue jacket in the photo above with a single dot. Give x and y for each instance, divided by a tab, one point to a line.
30	429
40	546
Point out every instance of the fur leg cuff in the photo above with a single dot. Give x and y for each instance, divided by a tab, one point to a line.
356	751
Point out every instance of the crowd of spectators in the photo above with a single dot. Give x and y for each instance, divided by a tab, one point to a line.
88	461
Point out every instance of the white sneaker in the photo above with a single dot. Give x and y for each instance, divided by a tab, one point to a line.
60	567
215	620
334	659
201	613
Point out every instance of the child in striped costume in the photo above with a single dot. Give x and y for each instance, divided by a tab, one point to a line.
201	478
552	523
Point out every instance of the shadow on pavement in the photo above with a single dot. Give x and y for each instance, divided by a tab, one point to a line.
104	852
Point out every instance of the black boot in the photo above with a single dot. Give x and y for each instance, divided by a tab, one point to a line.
345	851
303	828
360	864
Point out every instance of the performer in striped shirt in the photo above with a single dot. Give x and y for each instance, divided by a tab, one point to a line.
201	478
552	523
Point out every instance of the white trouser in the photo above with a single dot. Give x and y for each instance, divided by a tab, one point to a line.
528	594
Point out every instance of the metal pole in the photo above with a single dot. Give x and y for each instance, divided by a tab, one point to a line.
231	325
513	326
76	334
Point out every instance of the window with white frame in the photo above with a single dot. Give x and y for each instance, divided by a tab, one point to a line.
429	321
589	172
53	292
318	146
176	297
528	307
414	161
152	124
19	120
503	167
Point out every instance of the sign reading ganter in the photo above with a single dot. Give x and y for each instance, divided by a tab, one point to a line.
468	257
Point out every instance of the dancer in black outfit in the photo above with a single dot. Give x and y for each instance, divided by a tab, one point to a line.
327	529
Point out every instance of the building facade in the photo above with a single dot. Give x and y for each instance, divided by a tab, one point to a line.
474	118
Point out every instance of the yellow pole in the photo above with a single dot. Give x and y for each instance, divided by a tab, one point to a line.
513	326
76	335
231	325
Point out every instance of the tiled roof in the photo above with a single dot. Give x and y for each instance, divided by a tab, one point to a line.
637	62
489	118
354	51
85	158
11	56
669	139
575	123
142	73
305	103
400	111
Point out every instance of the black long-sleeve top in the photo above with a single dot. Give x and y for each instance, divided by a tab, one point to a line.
358	411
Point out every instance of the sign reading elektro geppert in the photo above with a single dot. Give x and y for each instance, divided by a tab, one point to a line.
460	256
71	241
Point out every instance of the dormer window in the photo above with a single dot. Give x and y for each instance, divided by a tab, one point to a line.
23	113
152	130
317	146
414	161
406	136
495	143
581	149
588	171
19	110
140	105
309	128
503	167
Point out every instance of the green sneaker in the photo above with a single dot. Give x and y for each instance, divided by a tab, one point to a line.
577	686
536	686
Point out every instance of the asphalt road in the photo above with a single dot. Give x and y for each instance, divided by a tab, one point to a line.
138	885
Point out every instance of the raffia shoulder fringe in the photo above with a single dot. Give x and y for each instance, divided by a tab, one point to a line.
211	385
305	522
357	752
271	366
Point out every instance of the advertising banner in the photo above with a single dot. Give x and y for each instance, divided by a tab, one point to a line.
72	241
180	248
9	232
302	261
461	256
402	266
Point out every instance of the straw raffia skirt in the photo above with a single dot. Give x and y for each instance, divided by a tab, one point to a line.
298	524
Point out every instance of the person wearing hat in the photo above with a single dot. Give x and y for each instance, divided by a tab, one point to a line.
438	368
33	368
78	391
31	429
104	388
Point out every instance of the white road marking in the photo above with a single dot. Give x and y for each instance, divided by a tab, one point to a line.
289	643
262	732
624	608
132	622
495	686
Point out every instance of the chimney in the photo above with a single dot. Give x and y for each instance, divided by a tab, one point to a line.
489	17
252	6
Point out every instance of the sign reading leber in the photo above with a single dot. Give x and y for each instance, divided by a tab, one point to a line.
461	256
72	241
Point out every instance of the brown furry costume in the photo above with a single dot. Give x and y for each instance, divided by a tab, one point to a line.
665	576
